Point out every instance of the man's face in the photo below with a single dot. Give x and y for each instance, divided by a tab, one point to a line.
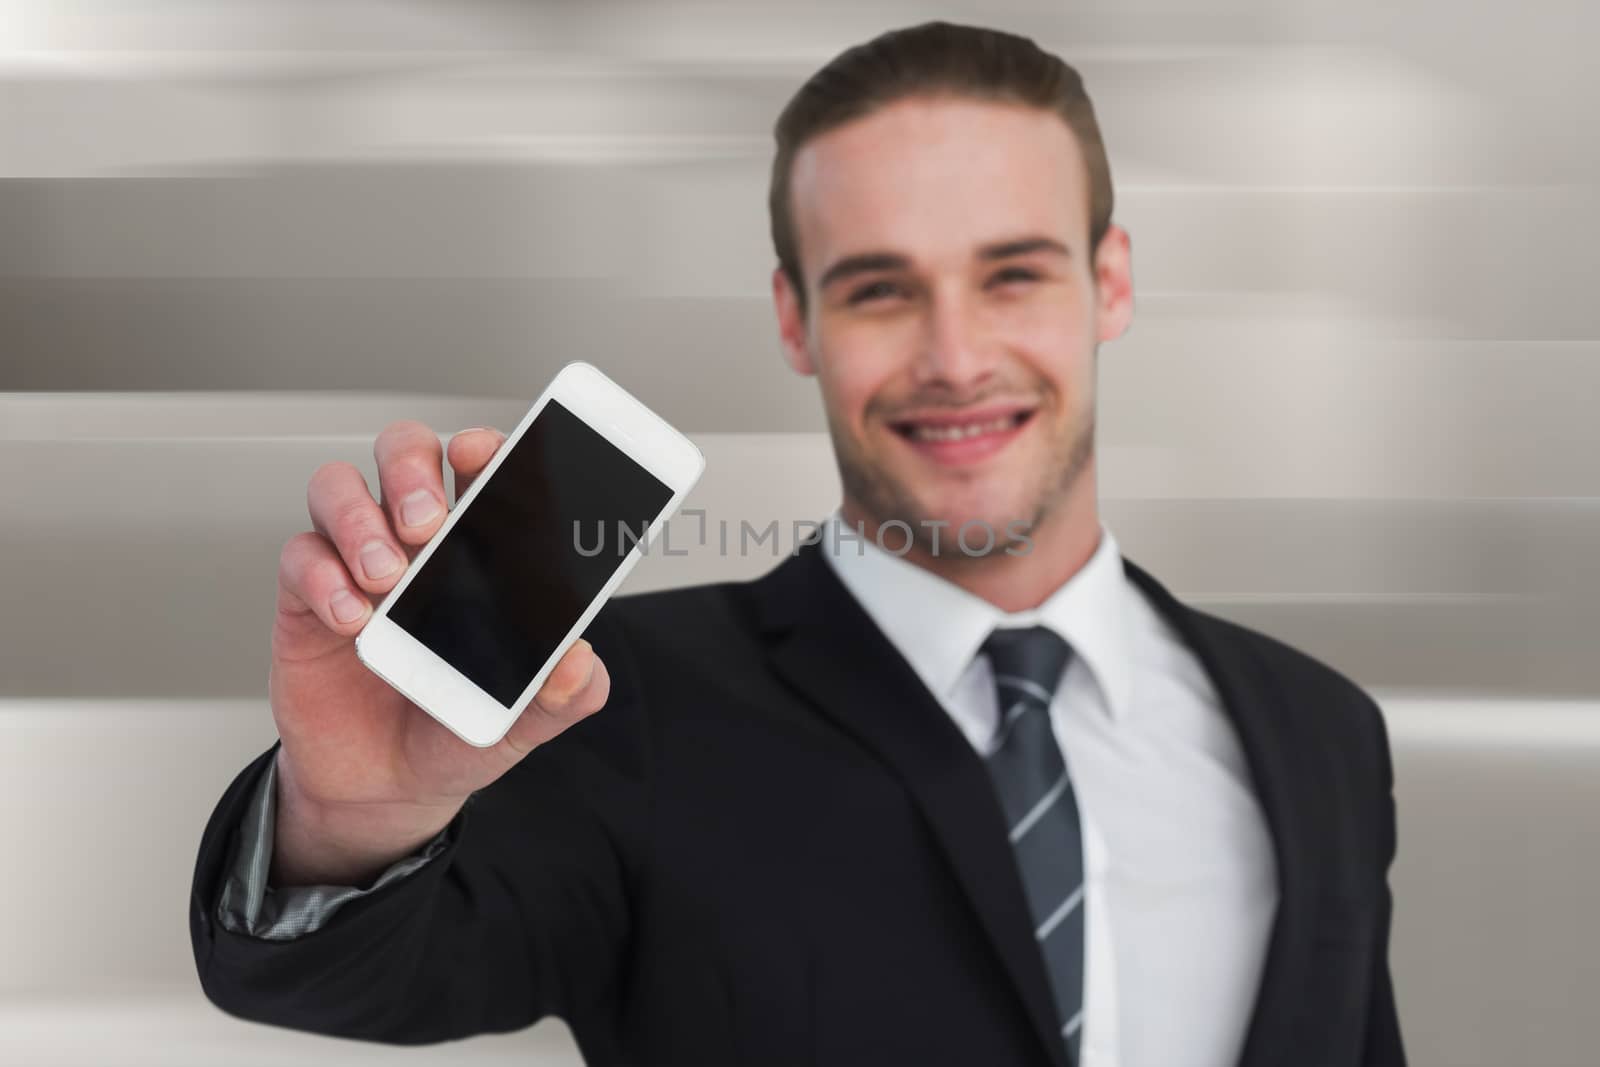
953	311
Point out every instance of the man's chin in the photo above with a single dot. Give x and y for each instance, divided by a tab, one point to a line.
965	531
941	514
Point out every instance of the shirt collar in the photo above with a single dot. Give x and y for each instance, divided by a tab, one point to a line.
939	627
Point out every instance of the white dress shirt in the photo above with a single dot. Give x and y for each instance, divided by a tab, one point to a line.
1180	881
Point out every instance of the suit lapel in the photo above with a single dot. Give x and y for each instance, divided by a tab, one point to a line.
828	649
1262	716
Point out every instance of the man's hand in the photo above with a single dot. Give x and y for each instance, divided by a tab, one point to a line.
364	775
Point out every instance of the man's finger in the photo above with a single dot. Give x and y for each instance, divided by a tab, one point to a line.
470	451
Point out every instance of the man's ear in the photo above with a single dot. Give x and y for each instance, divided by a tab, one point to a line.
1113	272
791	323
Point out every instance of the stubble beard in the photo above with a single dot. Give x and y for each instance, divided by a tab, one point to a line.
884	498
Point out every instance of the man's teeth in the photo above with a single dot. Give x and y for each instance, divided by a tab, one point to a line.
956	433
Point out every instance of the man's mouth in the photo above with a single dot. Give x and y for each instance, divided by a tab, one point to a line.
957	437
954	431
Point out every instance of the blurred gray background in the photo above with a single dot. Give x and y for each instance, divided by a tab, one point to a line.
1354	409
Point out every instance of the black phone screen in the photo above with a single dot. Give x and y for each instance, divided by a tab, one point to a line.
539	541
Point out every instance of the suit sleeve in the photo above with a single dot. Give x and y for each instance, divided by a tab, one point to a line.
526	911
251	904
1383	1045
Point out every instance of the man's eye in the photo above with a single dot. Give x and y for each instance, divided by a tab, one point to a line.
1015	274
872	291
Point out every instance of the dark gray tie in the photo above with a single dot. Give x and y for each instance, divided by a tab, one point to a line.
1030	777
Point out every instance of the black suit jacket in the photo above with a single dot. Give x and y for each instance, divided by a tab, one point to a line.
773	846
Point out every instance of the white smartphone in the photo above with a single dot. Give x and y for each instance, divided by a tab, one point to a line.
539	541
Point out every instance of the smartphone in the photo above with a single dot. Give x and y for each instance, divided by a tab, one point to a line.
532	550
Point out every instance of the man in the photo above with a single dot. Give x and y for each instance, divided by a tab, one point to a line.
959	784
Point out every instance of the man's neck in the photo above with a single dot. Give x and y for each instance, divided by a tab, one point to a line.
1056	550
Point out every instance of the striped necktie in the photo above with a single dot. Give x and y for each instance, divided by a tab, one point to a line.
1035	793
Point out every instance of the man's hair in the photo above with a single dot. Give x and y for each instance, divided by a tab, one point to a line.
932	60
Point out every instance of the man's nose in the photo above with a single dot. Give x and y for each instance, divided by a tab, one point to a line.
954	348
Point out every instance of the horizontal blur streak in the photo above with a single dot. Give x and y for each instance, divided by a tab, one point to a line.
1354	409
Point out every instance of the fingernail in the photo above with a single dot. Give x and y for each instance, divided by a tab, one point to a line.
346	608
420	508
378	560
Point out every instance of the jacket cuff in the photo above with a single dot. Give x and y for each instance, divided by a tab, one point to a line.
249	905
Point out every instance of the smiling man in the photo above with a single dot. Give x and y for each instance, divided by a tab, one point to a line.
955	348
956	784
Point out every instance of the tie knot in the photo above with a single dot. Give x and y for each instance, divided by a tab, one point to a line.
1035	656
